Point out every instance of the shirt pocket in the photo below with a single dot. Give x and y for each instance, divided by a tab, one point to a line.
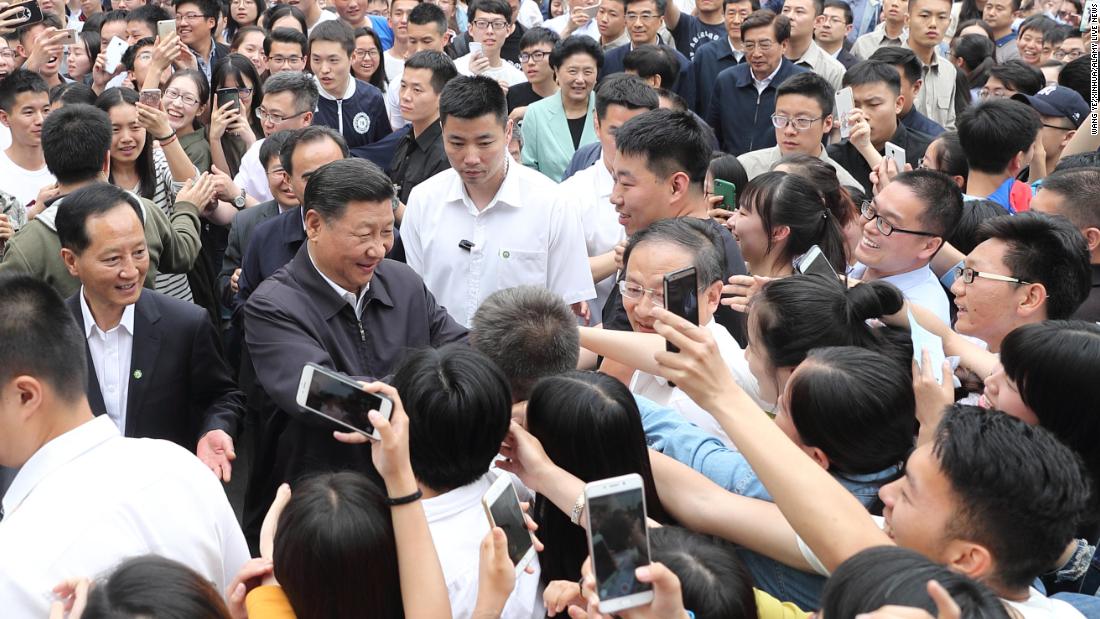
943	105
520	267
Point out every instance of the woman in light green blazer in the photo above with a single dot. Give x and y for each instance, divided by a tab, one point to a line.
556	126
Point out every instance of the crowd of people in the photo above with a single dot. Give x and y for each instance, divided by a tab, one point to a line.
881	402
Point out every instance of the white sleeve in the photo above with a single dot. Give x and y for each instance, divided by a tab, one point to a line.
812	559
568	271
410	234
393	103
252	176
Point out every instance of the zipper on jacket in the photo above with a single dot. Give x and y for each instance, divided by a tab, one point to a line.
340	115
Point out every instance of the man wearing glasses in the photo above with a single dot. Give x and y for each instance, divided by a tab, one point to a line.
803	116
490	24
285	50
195	24
643	21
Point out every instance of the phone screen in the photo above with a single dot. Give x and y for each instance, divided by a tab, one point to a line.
341	401
682	297
508	516
229	94
619	542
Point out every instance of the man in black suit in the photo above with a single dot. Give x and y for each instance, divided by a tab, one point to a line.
158	365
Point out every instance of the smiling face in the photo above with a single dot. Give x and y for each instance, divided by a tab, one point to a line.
399	16
900	252
252	47
181	112
366	57
331	64
752	238
649	262
127	135
279	183
1030	44
990	309
137	30
349	249
577	77
113	266
477	148
640	196
643	21
920	506
192	26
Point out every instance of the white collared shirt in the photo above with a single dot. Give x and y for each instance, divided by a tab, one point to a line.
458	524
90	498
656	388
526	236
589	192
355	301
111	353
921	286
252	175
392	97
820	62
762	84
757	162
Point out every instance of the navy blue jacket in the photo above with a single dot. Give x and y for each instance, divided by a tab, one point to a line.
919	122
685	83
710	60
742	118
360	116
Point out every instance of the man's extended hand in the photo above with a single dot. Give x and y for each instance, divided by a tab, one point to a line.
216	451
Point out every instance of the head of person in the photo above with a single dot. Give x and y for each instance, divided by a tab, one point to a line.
576	60
138	60
905	224
142	22
840	201
426	74
1000	13
351	12
894	576
154	586
945	154
196	20
619	98
589	425
998	136
803	114
725	167
307	149
1009	78
476	128
1069	12
699	562
643	20
114	24
781	216
285	16
765	37
26	34
248	41
285	50
490	24
972	54
244	13
237	71
1034	39
611	20
288	103
80	58
366	61
1071	48
427	29
663	247
1061	111
24	106
76	141
656	65
70	92
278	181
1061	194
535	46
909	71
331	45
803	15
963	505
735	12
1025	268
43	367
7	56
1076	75
836	23
928	21
964	237
380	8
334	550
184	100
660	164
349	220
895	11
130	143
876	88
398	17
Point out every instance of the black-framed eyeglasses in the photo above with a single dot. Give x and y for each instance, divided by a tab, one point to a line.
967	275
867	210
264	116
537	56
800	123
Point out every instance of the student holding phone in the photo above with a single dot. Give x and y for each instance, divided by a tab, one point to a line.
184	100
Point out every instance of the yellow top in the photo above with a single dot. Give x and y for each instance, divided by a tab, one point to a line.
269	602
767	607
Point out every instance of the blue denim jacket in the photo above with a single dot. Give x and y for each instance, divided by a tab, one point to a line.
669	433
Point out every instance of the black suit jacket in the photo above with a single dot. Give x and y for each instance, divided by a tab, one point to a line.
180	386
240	232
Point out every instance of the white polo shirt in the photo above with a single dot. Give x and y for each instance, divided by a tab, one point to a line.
921	286
589	192
507	71
525	236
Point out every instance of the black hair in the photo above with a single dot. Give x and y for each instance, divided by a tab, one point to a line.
150	14
952	158
18	82
1073	184
52	20
332	186
378	79
112	98
81	205
791	200
661	4
156	587
969	12
240	68
573	45
537	35
94	23
335	553
440	64
822	175
873	72
277	11
589	425
301	85
625	91
695	236
994	131
1020	492
754	5
427	13
726	167
809	85
843	6
243	31
273	145
1019	76
210	9
941	197
129	57
305	135
529	332
964	237
285	35
39	337
198	78
113	16
468	97
649	60
977	53
764	18
669	141
1047	250
71	92
75	142
492	7
1045	25
714	582
92	44
895	576
903	58
233	28
675	101
334	31
1077	75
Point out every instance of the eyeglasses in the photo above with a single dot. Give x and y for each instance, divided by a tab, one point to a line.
1072	54
275	119
7	54
967	275
286	60
633	17
360	54
869	213
498	24
837	20
801	123
635	292
189	17
188	99
999	92
536	56
763	46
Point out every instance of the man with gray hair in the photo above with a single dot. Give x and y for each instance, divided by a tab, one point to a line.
288	103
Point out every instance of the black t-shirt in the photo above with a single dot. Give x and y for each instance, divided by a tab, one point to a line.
576	129
690	34
522	95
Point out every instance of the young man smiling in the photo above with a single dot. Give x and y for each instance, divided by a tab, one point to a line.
195	24
490	24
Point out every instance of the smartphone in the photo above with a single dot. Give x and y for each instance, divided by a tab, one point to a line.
165	27
115	49
30	12
681	290
590	10
896	153
150	97
475	48
728	191
70	37
229	94
814	262
845	103
502	508
340	399
923	339
618	541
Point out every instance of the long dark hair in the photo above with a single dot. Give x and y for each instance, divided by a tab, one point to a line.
976	52
147	185
714	582
240	68
378	79
203	86
155	587
335	554
231	25
589	425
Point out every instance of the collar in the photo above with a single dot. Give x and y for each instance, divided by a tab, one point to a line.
1005	40
356	302
622	41
55	454
458	500
429	135
733	51
767	80
308	279
812	56
881	31
661	380
213	52
509	193
90	326
349	92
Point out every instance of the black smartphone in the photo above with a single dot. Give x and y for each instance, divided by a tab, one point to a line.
30	10
681	290
229	94
341	399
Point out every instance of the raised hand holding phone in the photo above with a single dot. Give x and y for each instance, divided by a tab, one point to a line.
503	511
668	599
681	292
698	369
618	541
845	103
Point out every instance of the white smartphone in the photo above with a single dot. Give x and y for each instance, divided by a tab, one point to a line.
115	49
813	261
845	103
340	399
896	153
502	508
475	48
618	541
590	10
165	27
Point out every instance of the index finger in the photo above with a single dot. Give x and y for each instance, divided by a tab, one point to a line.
946	608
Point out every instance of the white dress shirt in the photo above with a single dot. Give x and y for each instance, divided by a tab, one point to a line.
656	388
458	523
252	175
921	286
526	236
394	66
90	498
506	71
762	84
111	352
589	192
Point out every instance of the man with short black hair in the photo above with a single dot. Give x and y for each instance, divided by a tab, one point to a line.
420	153
643	22
196	21
999	15
1009	78
714	57
142	21
801	48
655	65
534	59
832	30
928	21
909	70
426	31
288	102
491	22
24	105
285	50
998	138
1075	195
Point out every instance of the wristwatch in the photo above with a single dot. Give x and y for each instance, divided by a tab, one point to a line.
238	202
